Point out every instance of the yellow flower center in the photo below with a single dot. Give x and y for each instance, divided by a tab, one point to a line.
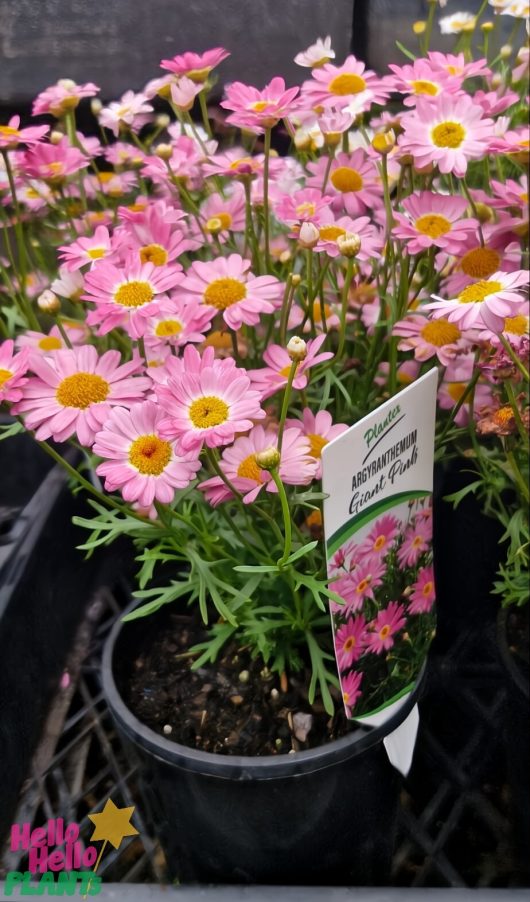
476	293
168	327
427	589
32	194
316	443
219	222
384	632
433	225
55	169
440	332
350	643
248	469
150	455
480	263
95	253
260	105
425	87
516	325
208	411
455	390
379	543
503	415
4	376
347	83
317	311
524	197
153	253
306	207
81	390
134	294
332	232
6	131
136	208
242	161
364	583
50	343
222	293
285	370
448	134
344	179
219	340
314	519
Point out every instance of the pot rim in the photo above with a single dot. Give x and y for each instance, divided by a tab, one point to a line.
242	767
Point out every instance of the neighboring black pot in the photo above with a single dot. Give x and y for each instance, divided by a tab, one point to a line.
41	602
318	817
517	733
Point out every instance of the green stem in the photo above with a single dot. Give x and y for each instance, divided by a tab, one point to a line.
204	113
475	211
286	518
285	404
523	488
462	400
517	416
344	306
19	230
266	222
64	334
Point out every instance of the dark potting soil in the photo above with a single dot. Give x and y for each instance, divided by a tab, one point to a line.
233	707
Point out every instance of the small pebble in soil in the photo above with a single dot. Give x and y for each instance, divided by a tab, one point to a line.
244	676
275	695
302	724
236	699
167	729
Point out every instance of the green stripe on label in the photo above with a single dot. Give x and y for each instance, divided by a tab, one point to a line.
360	520
395	698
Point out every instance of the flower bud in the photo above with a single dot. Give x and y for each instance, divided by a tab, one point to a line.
164	151
484	213
384	142
496	80
297	348
332	139
303	140
96	106
505	51
419	26
296	278
487	26
56	137
214	225
349	244
162	120
48	302
308	235
268	459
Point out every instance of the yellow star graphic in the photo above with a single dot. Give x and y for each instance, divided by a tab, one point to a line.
113	824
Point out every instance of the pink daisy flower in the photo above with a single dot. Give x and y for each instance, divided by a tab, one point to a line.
209	405
64	96
515	330
125	296
12	369
184	92
345	559
456	64
353	181
129	112
349	641
86	250
305	205
423	593
41	343
233	163
158	234
68	284
238	463
331	229
358	584
270	379
380	538
196	66
431	338
342	86
381	631
484	303
11	135
257	110
53	163
416	541
177	322
421	78
223	215
448	130
226	285
74	390
433	220
350	691
138	462
454	385
319	429
317	54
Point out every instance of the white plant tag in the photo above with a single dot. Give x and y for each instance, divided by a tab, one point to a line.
378	477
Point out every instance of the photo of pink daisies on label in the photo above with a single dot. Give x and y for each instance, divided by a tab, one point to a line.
378	527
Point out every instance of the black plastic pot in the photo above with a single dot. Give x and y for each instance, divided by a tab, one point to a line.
42	600
517	736
318	817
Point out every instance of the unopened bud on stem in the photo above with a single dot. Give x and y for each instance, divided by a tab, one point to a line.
297	348
268	459
164	151
349	244
308	235
48	302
